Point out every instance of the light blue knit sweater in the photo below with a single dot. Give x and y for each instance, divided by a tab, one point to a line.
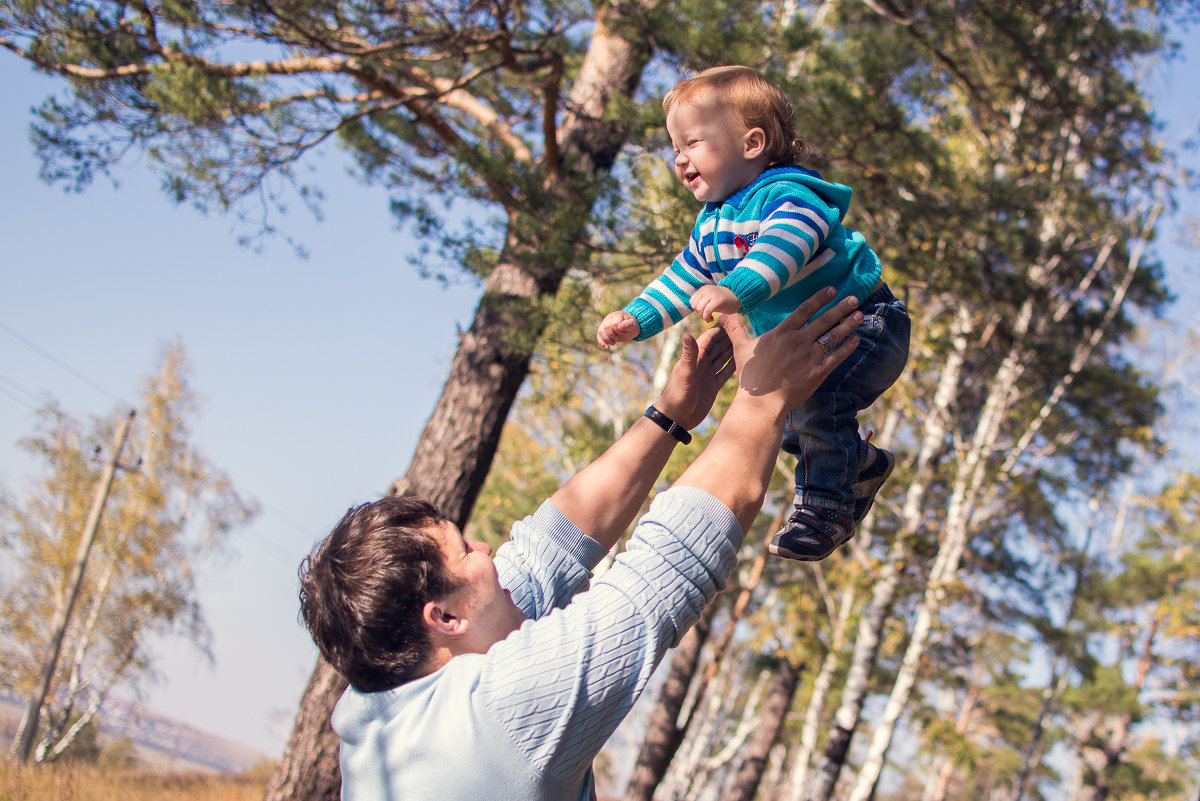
524	721
773	244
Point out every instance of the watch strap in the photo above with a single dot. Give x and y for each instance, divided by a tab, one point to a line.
667	424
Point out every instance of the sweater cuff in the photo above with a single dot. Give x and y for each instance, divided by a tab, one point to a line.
749	287
566	535
647	317
709	507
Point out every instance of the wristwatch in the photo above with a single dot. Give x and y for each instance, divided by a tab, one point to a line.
667	424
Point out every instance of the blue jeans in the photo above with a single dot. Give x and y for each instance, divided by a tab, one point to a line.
823	433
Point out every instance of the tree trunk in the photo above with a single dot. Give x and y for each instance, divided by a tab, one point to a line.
27	730
709	718
458	443
968	479
944	764
309	767
797	778
770	722
794	782
874	618
943	772
664	734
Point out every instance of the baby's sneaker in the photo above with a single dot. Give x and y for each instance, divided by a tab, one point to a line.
870	478
812	533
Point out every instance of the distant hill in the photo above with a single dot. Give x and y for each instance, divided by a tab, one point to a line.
161	743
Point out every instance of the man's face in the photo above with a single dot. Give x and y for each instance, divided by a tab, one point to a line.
710	149
481	600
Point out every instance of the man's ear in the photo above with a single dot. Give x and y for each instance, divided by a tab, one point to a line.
755	142
442	621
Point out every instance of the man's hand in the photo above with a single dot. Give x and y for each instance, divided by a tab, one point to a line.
603	498
704	366
792	359
777	372
712	299
617	327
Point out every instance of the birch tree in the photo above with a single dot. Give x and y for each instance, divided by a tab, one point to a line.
167	511
978	414
1149	603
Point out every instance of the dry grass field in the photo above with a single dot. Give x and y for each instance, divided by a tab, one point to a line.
82	782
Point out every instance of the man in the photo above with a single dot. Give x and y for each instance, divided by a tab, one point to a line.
479	679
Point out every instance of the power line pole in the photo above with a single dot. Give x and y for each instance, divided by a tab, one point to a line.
22	744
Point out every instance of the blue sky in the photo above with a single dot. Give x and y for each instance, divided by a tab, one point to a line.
316	375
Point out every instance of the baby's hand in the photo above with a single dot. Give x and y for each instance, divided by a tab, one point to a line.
617	327
712	299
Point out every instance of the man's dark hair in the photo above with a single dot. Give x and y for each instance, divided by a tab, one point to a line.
363	589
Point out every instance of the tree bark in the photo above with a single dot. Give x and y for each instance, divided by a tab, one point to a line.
458	443
800	771
770	722
708	719
27	730
968	479
874	618
309	768
665	732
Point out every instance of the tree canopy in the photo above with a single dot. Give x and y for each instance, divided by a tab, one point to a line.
1005	167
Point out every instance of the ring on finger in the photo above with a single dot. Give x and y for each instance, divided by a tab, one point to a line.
825	343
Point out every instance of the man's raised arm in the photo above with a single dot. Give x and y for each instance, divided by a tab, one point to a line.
603	498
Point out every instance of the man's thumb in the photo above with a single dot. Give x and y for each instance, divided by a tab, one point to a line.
690	349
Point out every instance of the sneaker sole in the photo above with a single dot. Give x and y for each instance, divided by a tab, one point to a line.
783	553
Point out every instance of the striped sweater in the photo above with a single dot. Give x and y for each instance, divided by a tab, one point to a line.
773	244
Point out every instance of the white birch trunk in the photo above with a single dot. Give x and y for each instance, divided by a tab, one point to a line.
968	479
797	780
964	504
702	732
870	629
720	761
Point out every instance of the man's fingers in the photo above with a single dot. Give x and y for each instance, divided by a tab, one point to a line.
733	327
836	328
706	337
718	352
844	349
805	311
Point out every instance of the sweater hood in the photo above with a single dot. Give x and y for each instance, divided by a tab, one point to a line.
833	194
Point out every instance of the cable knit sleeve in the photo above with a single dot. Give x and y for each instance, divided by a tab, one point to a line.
546	560
560	686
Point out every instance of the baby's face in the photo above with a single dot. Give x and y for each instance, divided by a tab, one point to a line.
712	150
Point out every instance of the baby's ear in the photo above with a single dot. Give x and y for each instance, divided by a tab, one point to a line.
755	142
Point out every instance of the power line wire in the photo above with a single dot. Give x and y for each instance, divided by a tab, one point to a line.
267	544
30	401
21	401
60	363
